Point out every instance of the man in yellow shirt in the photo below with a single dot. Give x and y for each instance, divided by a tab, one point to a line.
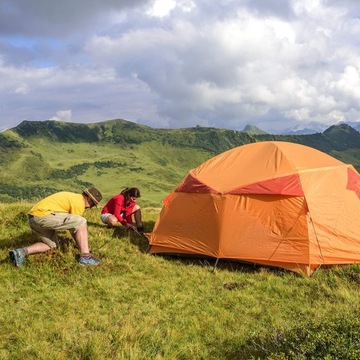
60	211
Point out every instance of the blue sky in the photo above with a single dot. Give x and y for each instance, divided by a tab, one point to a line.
169	63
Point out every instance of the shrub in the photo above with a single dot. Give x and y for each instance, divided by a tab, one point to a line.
333	338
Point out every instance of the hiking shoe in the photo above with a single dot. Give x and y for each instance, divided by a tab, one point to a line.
140	229
17	257
89	260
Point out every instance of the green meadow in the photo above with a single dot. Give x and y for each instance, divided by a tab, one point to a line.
40	157
43	167
140	306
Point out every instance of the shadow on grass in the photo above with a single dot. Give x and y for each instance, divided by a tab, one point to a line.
28	238
121	232
141	241
96	224
222	264
335	337
25	239
66	245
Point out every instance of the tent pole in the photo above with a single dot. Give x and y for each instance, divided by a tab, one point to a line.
316	270
215	265
317	239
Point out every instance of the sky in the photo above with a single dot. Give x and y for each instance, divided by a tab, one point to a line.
280	64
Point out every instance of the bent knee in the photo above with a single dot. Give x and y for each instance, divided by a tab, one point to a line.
112	220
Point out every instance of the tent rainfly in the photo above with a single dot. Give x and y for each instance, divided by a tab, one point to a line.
273	203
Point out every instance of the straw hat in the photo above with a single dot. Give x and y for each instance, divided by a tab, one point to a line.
94	194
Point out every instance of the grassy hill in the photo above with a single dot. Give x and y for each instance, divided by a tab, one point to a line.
137	306
251	129
41	157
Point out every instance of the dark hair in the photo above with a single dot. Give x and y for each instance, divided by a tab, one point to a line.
128	192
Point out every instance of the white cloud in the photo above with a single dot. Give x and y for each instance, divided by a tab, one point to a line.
349	84
179	63
62	115
161	8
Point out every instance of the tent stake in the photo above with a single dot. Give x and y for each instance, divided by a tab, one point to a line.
315	271
215	265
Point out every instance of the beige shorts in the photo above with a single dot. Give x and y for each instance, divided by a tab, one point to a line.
46	226
126	215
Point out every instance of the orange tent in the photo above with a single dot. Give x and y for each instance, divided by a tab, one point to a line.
273	203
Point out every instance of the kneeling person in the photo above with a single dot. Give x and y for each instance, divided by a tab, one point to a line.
122	208
60	211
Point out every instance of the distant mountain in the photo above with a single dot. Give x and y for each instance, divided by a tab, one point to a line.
125	133
251	129
305	131
353	124
312	128
342	137
39	157
316	127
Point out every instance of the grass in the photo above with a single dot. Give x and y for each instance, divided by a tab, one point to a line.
153	167
52	156
139	306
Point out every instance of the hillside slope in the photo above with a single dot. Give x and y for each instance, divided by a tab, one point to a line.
39	157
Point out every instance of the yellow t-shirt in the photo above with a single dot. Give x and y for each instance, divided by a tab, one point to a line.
64	202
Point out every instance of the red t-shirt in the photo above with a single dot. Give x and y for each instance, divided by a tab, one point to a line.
117	206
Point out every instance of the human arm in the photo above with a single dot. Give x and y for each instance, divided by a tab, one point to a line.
120	212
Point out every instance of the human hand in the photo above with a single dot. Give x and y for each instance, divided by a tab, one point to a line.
130	226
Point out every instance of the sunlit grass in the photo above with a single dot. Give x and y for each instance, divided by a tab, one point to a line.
152	167
139	306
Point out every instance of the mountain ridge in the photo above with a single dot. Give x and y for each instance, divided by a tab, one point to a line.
45	156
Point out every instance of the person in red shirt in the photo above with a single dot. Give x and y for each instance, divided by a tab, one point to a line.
122	208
